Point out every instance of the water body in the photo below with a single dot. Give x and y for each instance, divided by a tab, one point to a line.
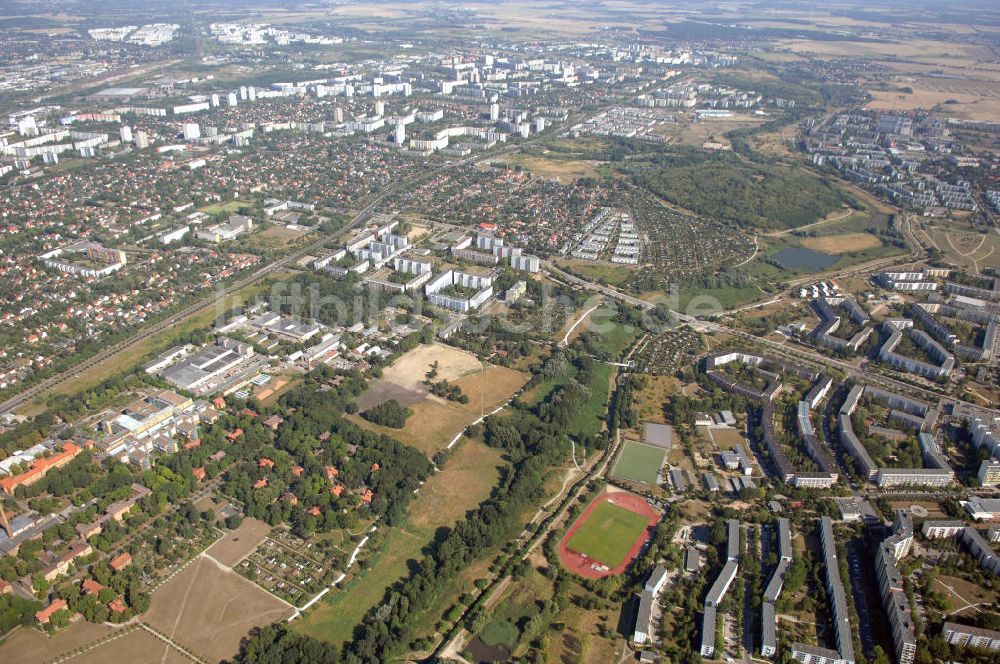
799	258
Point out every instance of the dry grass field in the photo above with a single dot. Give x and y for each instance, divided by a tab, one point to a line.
403	381
650	401
237	544
466	481
436	421
842	244
209	608
136	646
726	438
560	169
961	593
934	510
29	646
969	250
282	234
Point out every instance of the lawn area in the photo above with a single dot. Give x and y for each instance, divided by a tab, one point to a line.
613	338
466	480
610	273
540	392
608	533
519	604
224	208
501	632
588	420
639	462
704	300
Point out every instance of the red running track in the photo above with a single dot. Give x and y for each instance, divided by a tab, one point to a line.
590	568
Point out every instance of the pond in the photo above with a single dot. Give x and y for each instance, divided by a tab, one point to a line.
800	258
480	653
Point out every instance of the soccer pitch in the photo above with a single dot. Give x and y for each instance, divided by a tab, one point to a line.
608	533
639	463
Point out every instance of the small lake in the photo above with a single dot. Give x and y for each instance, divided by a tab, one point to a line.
800	258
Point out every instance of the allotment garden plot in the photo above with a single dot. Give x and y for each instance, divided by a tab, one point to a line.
285	567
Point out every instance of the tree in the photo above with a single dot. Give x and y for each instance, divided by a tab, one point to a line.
39	584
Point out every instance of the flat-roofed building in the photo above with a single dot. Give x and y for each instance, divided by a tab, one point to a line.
644	618
208	368
971	637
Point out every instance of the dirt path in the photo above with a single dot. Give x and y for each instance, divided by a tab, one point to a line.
565	339
834	217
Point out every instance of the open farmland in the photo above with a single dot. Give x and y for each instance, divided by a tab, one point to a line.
208	608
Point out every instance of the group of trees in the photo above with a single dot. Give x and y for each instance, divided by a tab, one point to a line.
447	390
15	610
389	413
314	438
532	444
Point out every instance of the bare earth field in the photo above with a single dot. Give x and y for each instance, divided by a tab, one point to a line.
29	646
237	544
403	381
136	646
209	609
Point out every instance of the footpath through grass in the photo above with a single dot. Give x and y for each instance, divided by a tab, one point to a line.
466	480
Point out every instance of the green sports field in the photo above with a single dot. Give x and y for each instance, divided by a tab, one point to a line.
639	462
608	533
